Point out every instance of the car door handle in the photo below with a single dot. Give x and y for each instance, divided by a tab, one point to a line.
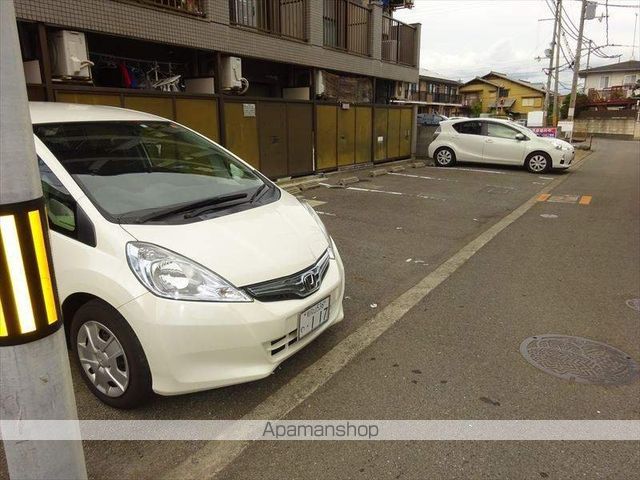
488	140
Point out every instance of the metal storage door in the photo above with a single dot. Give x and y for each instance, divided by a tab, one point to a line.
326	133
241	133
393	147
89	98
406	125
199	114
381	134
272	132
300	138
346	137
364	129
161	106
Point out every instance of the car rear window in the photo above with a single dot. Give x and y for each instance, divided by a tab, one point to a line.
469	128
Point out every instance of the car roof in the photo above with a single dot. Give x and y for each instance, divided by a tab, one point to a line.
54	112
480	119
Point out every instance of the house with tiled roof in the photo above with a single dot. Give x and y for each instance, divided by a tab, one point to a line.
499	94
611	86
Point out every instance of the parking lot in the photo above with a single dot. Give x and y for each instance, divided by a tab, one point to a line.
448	271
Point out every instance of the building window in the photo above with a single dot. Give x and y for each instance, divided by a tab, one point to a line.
271	16
629	80
604	81
528	102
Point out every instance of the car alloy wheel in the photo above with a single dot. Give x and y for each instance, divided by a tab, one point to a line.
103	359
538	163
444	157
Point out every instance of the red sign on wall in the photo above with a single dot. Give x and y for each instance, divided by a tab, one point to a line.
545	131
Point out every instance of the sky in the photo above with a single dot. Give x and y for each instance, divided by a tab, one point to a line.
462	39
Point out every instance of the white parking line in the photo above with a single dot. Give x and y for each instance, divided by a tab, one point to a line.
215	456
376	191
481	170
423	177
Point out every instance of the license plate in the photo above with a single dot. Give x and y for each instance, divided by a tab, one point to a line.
313	317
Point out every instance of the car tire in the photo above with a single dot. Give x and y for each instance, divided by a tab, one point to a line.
110	357
444	157
538	162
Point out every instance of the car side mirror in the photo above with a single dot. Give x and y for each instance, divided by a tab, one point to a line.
520	137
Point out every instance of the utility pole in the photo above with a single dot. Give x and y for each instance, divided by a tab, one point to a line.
547	96
35	379
557	78
576	68
589	54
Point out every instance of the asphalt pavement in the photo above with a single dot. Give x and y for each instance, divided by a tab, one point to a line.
448	272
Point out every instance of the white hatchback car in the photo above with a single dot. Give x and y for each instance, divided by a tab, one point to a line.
497	141
179	266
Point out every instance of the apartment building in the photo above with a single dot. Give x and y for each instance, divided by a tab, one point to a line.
438	94
285	84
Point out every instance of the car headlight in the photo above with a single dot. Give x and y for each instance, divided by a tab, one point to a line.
169	275
315	216
557	145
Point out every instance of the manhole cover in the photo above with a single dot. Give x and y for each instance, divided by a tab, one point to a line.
580	359
634	303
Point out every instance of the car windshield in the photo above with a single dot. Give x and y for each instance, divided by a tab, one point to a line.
132	170
523	129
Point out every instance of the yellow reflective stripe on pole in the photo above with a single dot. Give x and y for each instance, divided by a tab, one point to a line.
19	285
43	265
3	324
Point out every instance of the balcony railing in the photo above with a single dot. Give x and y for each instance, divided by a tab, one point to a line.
193	7
346	26
398	41
618	94
284	18
446	98
435	97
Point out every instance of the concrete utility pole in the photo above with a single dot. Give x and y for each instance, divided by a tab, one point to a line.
35	380
589	54
576	68
547	95
557	79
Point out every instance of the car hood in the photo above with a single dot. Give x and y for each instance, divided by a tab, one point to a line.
565	145
247	247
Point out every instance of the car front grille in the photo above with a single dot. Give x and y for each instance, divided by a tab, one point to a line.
298	285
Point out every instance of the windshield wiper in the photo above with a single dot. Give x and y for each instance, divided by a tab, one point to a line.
207	203
260	191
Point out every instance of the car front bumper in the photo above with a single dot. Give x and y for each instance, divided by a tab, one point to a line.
192	346
564	158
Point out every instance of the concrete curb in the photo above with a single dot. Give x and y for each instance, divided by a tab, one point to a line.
397	168
348	181
309	184
376	172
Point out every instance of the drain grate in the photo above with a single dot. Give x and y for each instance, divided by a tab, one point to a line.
580	359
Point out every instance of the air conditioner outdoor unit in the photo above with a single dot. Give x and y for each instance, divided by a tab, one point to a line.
231	74
69	55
